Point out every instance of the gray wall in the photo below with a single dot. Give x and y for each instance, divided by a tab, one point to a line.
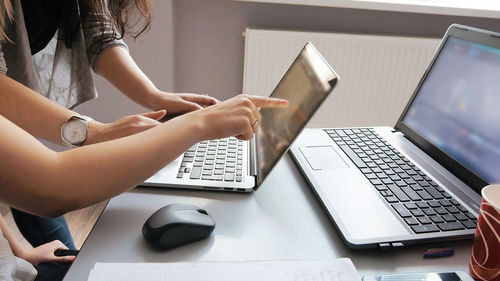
209	44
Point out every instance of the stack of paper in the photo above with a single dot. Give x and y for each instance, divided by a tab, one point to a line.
317	270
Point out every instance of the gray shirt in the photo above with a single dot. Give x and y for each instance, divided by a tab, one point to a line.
13	268
59	73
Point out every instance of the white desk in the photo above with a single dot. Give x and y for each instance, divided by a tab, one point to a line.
281	221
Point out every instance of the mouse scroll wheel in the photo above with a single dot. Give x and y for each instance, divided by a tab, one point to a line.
202	211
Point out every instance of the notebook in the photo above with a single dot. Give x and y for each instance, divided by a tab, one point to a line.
306	270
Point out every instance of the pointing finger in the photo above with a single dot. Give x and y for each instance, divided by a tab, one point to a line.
268	102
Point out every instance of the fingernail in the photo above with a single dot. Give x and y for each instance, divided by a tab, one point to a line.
285	102
73	259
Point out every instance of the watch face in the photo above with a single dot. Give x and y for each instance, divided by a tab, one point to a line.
74	131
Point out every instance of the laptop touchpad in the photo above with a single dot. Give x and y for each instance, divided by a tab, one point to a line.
323	158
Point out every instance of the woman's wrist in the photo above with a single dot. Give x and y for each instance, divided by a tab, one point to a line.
21	253
94	132
196	122
153	99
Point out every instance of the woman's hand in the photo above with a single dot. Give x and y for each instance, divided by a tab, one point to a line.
238	116
179	103
125	126
45	253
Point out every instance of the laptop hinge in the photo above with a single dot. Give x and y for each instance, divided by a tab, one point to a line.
253	156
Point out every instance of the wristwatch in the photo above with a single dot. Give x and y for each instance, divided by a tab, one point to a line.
74	132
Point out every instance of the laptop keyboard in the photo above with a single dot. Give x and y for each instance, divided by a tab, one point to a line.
422	204
215	160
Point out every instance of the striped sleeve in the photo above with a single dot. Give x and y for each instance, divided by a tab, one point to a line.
95	43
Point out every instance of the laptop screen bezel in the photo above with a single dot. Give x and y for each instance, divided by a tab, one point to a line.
311	49
460	171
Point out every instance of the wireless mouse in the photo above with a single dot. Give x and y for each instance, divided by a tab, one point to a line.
177	224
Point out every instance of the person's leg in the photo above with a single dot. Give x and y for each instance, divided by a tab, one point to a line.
49	271
38	230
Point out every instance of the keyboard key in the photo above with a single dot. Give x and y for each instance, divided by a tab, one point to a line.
461	217
436	219
450	226
229	177
180	175
447	195
424	220
455	202
449	218
424	183
189	154
213	178
416	187
445	203
385	193
398	193
410	206
441	211
470	215
387	181
469	224
429	212
188	159
453	210
412	194
381	187
401	210
417	213
401	183
422	205
391	199
207	172
366	171
239	179
411	221
433	192
424	195
357	161
425	228
434	204
195	173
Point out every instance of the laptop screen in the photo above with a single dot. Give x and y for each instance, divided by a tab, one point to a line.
457	108
305	85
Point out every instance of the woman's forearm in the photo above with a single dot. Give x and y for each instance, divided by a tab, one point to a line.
47	183
16	247
117	66
34	113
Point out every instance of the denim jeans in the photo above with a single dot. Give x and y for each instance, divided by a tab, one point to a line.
38	230
49	271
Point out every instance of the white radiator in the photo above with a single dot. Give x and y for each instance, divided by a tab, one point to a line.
378	73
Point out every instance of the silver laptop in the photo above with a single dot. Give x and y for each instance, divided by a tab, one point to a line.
241	166
420	181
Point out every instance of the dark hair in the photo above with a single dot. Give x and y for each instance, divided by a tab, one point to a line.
118	13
